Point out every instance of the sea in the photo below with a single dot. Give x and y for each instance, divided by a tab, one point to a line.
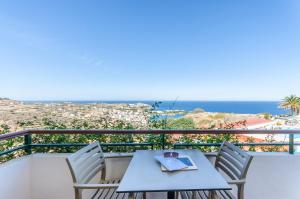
240	107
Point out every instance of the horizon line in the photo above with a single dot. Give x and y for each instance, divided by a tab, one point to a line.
144	100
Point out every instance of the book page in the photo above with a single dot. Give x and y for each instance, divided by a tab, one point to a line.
171	164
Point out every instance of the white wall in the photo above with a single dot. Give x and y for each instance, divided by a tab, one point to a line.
15	179
274	176
50	177
46	176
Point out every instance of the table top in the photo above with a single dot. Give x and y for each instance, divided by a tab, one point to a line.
144	174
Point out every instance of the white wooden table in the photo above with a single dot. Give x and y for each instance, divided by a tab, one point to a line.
144	175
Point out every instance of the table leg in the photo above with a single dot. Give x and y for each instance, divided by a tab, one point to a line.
171	194
131	196
212	195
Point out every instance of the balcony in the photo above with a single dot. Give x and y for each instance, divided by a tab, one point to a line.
36	175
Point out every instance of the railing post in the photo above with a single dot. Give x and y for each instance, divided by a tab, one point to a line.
163	141
27	143
291	143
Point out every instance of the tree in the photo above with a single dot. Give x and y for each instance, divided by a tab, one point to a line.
292	103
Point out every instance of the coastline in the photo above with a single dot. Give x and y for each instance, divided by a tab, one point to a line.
18	115
240	107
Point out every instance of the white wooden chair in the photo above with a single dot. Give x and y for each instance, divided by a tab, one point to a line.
84	165
234	163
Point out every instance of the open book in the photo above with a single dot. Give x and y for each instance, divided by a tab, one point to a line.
175	164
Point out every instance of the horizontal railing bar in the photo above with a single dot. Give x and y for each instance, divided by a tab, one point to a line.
238	144
84	144
156	131
13	135
59	145
12	150
128	144
105	131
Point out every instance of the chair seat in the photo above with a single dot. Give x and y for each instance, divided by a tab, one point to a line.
111	192
205	195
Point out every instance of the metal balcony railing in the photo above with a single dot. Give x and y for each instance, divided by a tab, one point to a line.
28	145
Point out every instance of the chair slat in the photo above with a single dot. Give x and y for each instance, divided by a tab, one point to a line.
235	148
120	196
233	154
184	195
126	195
80	160
202	194
227	171
225	194
189	194
103	194
95	158
78	153
87	174
115	195
233	160
91	174
231	167
96	193
88	165
110	194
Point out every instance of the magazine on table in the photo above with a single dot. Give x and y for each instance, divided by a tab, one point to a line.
181	163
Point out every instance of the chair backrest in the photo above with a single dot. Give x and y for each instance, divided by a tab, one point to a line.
86	163
233	161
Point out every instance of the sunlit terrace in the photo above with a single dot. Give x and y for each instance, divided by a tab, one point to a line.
36	170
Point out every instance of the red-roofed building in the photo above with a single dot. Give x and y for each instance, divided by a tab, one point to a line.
256	123
259	123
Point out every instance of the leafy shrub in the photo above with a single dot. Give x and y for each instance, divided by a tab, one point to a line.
180	123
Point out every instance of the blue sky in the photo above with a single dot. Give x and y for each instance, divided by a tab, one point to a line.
155	50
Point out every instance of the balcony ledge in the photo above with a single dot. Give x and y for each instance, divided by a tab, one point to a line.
271	175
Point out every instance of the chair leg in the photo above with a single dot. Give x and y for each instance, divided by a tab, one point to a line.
78	193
